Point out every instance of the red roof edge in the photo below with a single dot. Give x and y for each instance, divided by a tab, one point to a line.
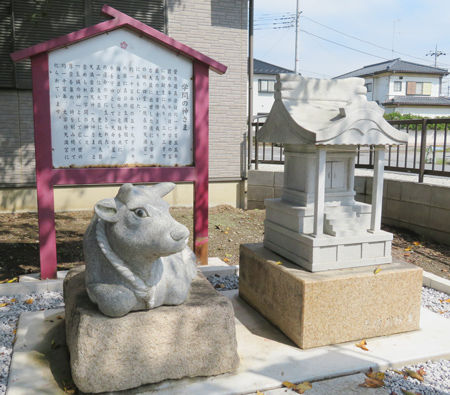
119	20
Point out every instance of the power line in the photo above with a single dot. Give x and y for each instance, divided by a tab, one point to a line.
364	41
342	45
286	21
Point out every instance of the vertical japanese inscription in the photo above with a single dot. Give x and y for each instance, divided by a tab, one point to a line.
115	107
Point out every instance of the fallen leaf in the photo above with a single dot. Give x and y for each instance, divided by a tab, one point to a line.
372	383
303	387
406	392
228	255
299	388
59	317
377	270
226	260
4	304
29	301
408	249
375	375
226	232
362	344
397	371
422	372
13	300
417	243
259	393
278	263
9	281
444	300
413	374
14	331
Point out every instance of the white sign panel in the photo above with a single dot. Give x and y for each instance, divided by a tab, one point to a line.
120	99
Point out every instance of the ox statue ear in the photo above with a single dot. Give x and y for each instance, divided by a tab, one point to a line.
106	209
163	188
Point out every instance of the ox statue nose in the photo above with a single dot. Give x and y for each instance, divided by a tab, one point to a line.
179	233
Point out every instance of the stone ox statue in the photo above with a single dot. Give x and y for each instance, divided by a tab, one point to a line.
136	254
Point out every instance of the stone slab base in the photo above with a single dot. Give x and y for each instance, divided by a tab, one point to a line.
316	309
328	252
196	338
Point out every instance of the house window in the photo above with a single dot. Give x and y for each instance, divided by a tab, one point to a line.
397	86
418	88
266	86
369	87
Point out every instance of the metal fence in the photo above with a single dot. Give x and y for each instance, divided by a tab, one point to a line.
426	152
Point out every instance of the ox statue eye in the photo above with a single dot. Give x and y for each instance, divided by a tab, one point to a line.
140	212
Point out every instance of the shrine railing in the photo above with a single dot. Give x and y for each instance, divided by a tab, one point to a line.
427	150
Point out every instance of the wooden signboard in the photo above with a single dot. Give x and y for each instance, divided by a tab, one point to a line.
118	102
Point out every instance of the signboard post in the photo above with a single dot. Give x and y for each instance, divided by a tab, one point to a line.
118	102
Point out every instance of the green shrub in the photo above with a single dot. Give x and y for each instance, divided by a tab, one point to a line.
396	116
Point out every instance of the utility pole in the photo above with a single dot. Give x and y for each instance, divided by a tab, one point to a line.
297	30
250	83
436	54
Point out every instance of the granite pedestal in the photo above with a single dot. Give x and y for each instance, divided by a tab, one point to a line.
335	306
196	338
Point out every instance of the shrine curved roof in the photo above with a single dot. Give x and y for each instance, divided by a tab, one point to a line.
326	112
119	20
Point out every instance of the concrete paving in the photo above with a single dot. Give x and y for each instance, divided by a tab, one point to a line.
267	357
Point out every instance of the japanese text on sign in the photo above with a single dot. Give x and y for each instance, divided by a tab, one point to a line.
115	108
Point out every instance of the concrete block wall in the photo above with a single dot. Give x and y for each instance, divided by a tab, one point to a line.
263	185
421	208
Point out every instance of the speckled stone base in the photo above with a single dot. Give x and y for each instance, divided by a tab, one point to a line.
196	338
334	306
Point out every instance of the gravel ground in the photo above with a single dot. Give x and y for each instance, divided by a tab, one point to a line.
10	309
436	380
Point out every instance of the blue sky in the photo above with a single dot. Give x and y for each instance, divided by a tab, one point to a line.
419	26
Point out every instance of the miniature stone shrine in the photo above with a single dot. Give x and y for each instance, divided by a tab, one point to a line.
136	260
317	224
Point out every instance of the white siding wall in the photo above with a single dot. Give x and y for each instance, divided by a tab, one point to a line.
370	94
262	101
433	80
380	89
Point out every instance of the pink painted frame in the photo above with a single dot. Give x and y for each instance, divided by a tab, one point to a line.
47	177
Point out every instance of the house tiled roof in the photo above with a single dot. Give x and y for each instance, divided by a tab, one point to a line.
418	101
394	65
260	67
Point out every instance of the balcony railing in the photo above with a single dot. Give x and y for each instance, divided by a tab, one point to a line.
427	150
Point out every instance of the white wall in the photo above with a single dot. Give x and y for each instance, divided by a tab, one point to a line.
381	89
262	102
433	80
425	111
383	86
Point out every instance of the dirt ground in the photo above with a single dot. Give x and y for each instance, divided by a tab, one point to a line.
228	227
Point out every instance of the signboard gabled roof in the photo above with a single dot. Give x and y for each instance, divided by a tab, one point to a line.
119	20
326	112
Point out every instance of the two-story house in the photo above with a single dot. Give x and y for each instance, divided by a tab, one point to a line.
405	87
264	78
